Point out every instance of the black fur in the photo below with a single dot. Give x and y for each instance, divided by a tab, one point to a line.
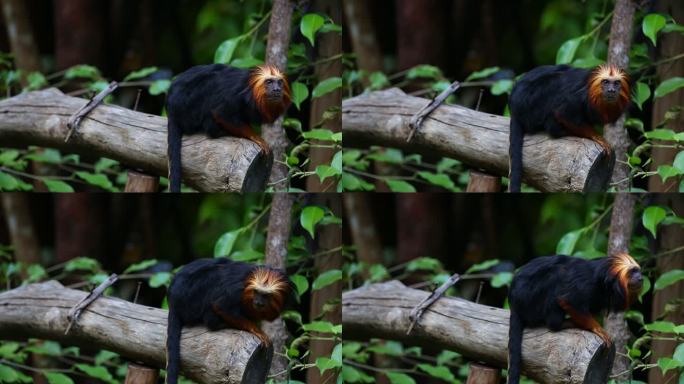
538	285
195	95
199	285
536	98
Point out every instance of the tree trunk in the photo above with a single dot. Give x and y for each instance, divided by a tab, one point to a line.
325	302
669	237
276	54
17	212
79	33
330	44
20	33
621	225
277	238
618	54
669	44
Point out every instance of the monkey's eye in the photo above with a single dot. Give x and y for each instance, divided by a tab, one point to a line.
269	81
604	81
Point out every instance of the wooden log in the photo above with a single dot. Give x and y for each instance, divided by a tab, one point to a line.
483	183
480	332
482	374
140	374
226	164
137	332
140	182
568	164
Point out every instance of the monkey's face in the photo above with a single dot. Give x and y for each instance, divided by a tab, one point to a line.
610	89
635	280
274	88
260	300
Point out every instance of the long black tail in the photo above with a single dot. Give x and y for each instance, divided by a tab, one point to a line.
174	153
173	335
515	334
515	155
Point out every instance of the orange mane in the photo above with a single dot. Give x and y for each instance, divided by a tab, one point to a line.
620	265
269	109
609	111
269	282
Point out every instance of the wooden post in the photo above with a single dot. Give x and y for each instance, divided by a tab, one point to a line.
140	374
140	182
482	374
482	182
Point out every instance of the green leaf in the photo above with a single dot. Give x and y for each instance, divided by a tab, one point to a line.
8	182
350	182
299	93
669	85
482	73
98	180
424	71
140	73
224	52
224	245
104	356
57	186
105	164
301	283
440	180
566	52
140	266
399	186
440	372
318	134
36	273
36	80
309	217
660	134
378	80
326	278
85	71
666	363
159	86
247	255
399	378
336	162
96	372
324	363
679	162
328	85
501	279
159	279
8	374
660	326
651	25
482	266
679	354
319	326
324	171
566	245
9	157
424	264
82	264
643	92
502	86
310	24
446	164
669	278
57	378
651	217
